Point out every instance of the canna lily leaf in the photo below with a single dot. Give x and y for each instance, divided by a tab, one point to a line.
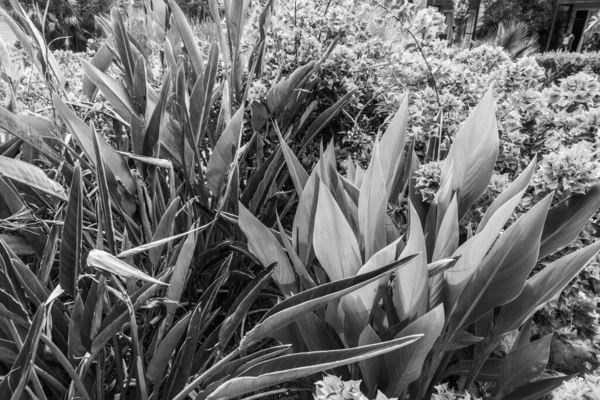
297	171
164	351
310	300
524	364
122	44
411	283
370	368
473	154
102	60
516	188
164	230
372	207
566	219
392	146
304	220
404	366
70	245
294	366
223	153
501	275
116	94
188	38
103	261
263	244
334	242
474	249
543	287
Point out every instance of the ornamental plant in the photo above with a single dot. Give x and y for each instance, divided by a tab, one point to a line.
123	271
460	291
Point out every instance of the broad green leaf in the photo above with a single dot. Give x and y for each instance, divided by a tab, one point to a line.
102	60
537	389
294	366
159	118
279	94
405	365
140	88
31	176
103	261
31	131
179	279
334	242
164	351
299	267
502	273
355	308
117	95
76	347
473	250
304	219
490	372
104	192
223	154
122	43
392	145
235	15
323	119
473	154
310	300
316	334
372	207
164	230
543	287
411	283
516	188
264	246
445	245
296	170
461	340
566	219
18	244
370	368
188	38
70	245
524	364
448	234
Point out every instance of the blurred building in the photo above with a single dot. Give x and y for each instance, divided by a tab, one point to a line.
579	13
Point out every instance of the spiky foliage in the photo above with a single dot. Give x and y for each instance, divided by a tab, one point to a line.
514	37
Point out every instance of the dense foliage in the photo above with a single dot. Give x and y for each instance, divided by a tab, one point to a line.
563	64
171	225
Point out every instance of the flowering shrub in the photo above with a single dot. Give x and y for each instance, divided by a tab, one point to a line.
562	64
377	55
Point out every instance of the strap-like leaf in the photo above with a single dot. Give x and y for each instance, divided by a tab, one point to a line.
294	366
310	300
70	245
